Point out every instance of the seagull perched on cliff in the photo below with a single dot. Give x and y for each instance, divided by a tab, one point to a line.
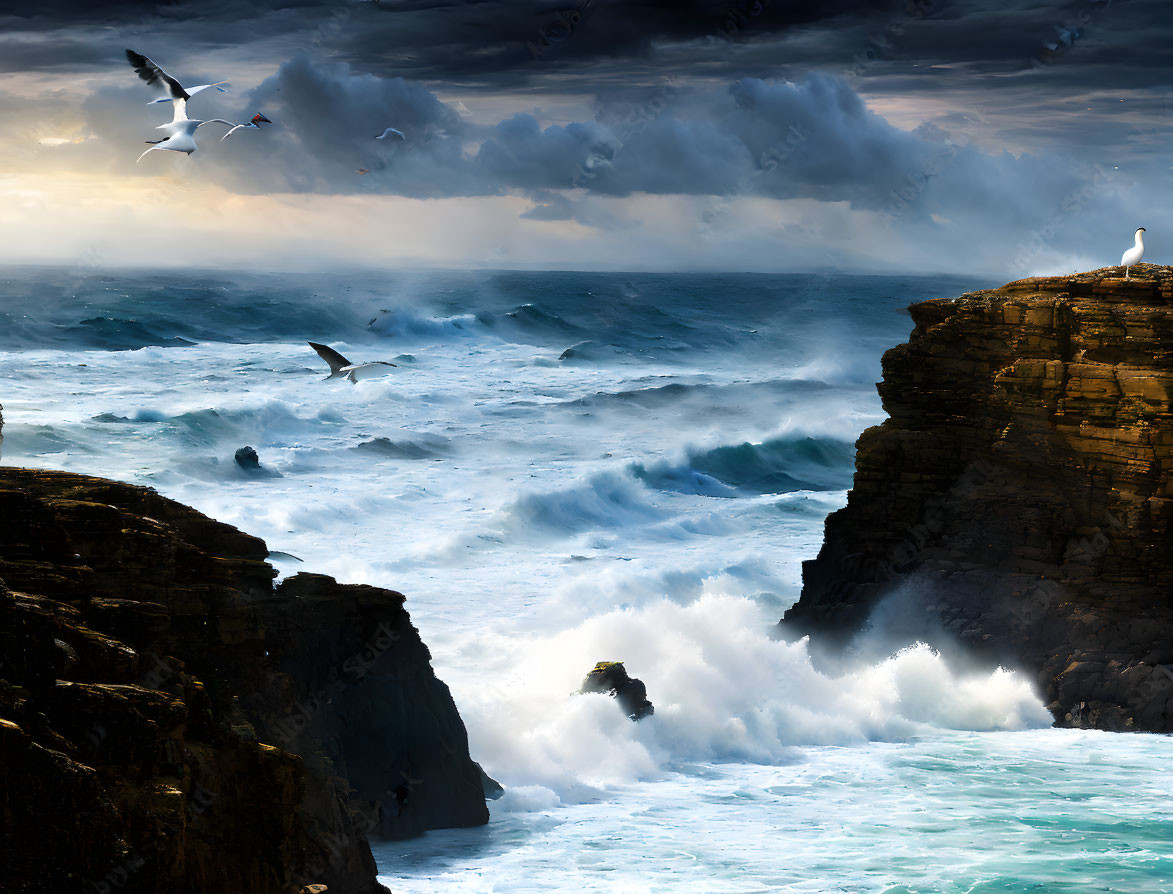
1132	257
389	131
255	121
173	91
340	366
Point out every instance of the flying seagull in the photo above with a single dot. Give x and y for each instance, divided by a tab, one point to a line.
389	131
362	171
340	366
1133	255
181	135
255	121
173	91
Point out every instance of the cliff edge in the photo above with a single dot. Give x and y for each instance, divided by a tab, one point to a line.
1018	498
171	721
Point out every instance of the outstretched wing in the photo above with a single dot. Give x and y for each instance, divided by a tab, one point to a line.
333	359
219	85
155	76
231	132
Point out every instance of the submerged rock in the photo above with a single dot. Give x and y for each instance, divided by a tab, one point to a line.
171	722
1020	496
611	677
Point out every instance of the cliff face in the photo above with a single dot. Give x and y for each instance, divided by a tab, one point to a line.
1019	497
172	722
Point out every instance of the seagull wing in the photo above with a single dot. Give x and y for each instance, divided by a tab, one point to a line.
155	76
217	121
333	359
219	85
234	130
365	370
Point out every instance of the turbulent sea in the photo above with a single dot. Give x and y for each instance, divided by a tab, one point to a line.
566	468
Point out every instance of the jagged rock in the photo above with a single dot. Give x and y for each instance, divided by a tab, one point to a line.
170	722
250	462
611	677
493	789
247	459
1020	495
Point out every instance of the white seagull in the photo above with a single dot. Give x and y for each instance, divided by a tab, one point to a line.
340	366
256	121
181	135
181	129
389	131
173	91
1132	257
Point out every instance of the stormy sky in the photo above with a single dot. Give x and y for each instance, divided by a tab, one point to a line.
997	138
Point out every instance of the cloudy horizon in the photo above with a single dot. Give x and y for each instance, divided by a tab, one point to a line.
923	137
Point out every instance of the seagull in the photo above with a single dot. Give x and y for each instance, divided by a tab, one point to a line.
1132	257
181	129
340	366
256	121
361	171
389	131
174	92
181	135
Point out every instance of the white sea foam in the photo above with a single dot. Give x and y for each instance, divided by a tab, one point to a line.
723	688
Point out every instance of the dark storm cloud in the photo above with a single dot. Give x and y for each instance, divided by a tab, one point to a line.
589	45
456	40
676	105
1043	73
815	139
35	53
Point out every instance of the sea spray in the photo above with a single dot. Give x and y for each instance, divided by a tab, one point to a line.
724	690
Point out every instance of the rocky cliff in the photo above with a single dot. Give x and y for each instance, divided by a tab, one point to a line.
171	721
1018	499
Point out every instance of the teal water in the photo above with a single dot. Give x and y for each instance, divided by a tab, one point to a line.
950	813
567	468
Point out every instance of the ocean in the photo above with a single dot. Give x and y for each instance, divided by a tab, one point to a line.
566	468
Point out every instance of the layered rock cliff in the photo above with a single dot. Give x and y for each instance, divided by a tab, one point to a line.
1018	498
170	721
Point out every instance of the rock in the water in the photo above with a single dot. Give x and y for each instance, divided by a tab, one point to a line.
247	459
1021	493
611	677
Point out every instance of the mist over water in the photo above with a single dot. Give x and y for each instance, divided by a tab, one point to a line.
567	468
